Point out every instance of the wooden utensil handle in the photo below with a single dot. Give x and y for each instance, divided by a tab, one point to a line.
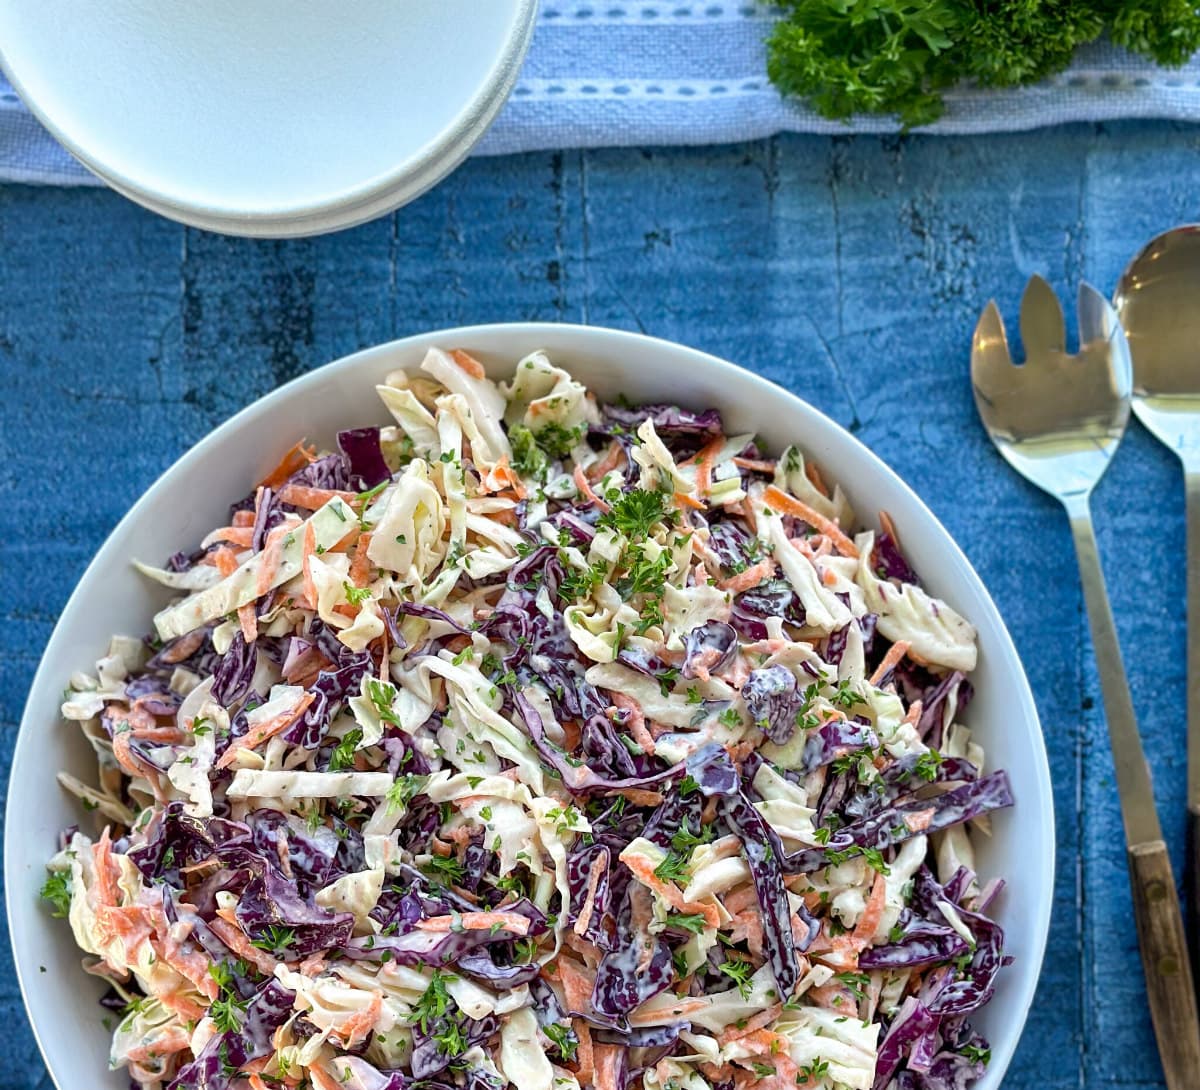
1191	878
1165	962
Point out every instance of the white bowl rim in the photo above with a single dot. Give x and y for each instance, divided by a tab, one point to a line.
352	206
1037	793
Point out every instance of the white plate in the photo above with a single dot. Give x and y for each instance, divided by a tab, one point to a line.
194	495
266	117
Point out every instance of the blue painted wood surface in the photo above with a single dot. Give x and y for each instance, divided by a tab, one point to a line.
850	270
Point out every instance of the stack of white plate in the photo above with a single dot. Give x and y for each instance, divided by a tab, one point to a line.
271	118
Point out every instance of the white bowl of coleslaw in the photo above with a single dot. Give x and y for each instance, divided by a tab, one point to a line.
194	495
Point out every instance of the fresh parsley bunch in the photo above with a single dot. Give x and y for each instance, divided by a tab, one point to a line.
898	56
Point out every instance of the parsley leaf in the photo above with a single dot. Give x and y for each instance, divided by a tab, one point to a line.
57	891
343	753
898	56
634	513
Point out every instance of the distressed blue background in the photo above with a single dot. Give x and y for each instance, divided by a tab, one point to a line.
848	269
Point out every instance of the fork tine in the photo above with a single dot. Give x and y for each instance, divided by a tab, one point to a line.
989	350
1098	324
1042	325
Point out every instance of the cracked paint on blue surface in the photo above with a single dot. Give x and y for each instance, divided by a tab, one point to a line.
850	270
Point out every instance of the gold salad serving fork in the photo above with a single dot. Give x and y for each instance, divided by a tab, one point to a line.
1057	420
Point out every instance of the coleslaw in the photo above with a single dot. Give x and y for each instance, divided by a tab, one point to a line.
540	741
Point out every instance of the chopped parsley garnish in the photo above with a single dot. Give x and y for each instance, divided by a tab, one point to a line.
57	891
343	753
813	1072
356	595
875	858
576	584
674	867
446	868
855	982
634	513
739	972
434	1002
564	1039
533	451
687	786
642	575
527	459
928	764
977	1055
401	793
274	939
226	1010
693	922
381	695
685	840
845	696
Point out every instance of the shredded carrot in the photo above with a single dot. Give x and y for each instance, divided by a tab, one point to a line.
814	478
606	1059
577	983
584	1063
872	914
582	483
134	765
640	796
301	495
682	499
247	616
309	546
888	526
787	1073
780	501
755	465
226	928
163	736
686	1005
890	661
354	1029
235	535
360	566
919	820
751	577
741	898
225	561
635	721
468	363
476	921
268	565
242	518
599	866
321	1080
255	737
612	458
747	927
643	870
502	478
744	1029
292	462
193	967
172	1039
106	882
705	460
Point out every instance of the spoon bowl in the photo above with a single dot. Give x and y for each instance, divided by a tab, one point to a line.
1158	302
